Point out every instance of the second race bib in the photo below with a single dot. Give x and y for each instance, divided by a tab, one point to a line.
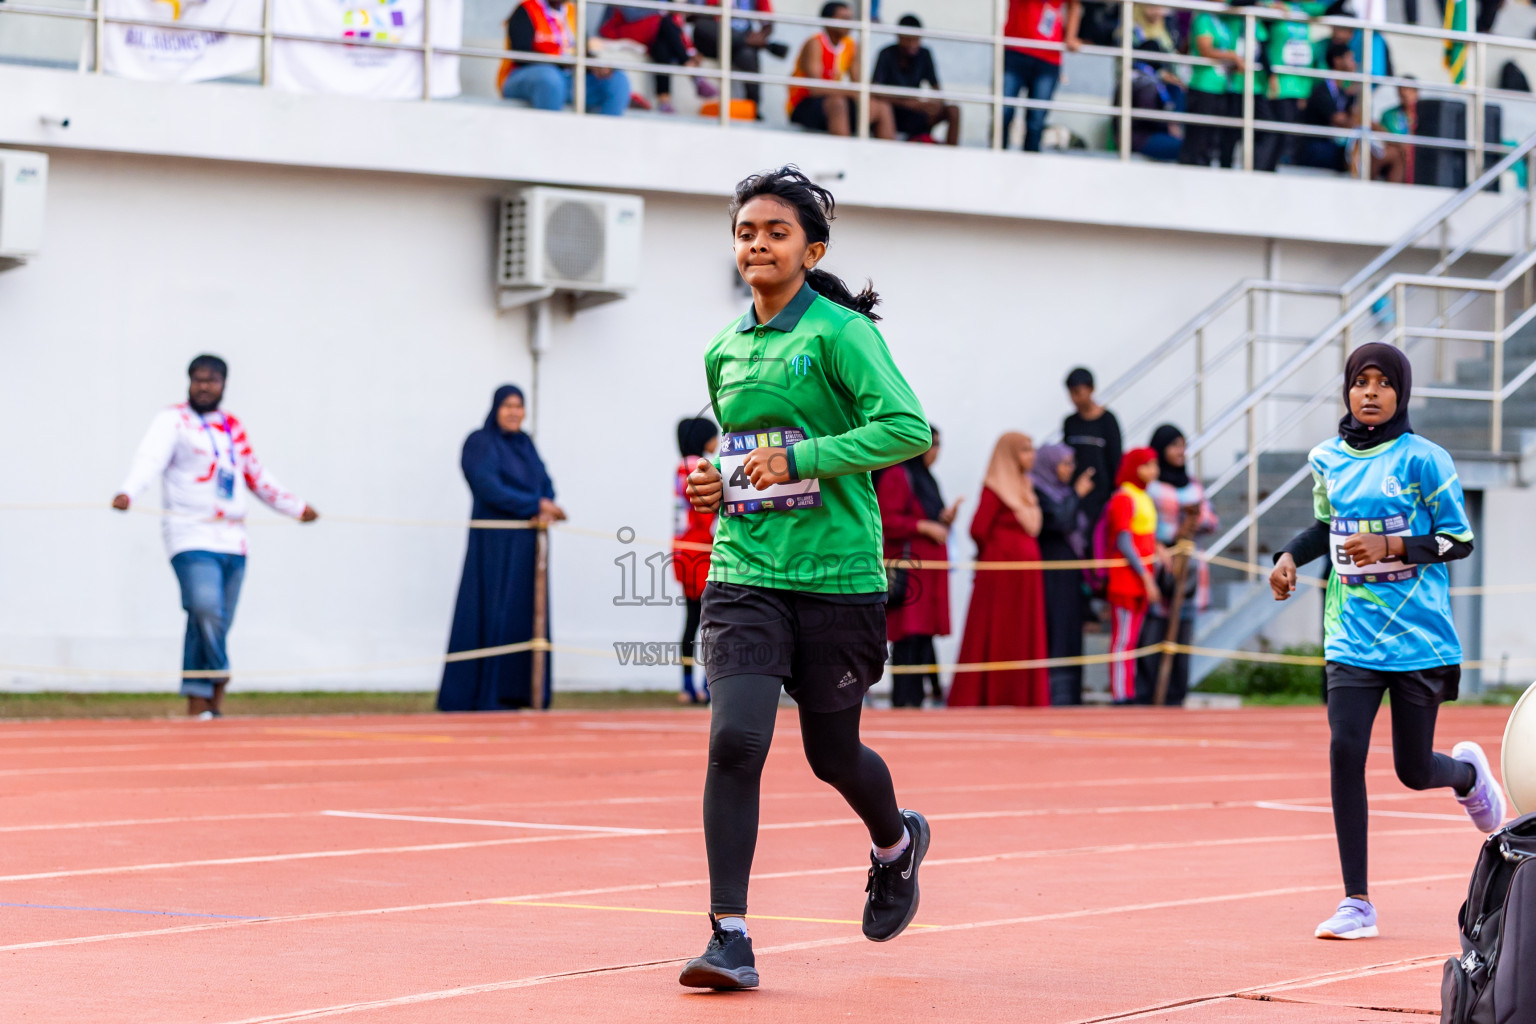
740	497
1389	570
1297	53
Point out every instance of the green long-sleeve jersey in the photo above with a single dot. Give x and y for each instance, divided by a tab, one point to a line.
825	369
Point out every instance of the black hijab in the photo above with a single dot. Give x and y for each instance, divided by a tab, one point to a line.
1389	359
1167	472
924	487
693	435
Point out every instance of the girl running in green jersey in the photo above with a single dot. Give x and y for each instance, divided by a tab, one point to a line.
809	401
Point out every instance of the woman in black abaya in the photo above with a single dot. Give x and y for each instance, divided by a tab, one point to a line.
496	594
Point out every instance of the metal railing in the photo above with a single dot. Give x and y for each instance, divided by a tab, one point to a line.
1116	108
1378	303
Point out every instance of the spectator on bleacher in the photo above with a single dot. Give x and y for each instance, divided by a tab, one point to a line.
1094	434
1403	119
1287	44
1033	69
1152	138
1063	536
549	27
909	64
1150	30
831	55
915	524
665	42
1330	105
205	466
495	608
748	41
1172	493
1212	91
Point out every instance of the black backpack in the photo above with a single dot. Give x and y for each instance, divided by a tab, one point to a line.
1494	981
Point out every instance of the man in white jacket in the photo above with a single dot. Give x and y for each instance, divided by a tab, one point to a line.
205	465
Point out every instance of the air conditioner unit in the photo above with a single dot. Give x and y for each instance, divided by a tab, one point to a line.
23	190
556	239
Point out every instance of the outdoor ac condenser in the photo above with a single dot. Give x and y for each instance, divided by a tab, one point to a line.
23	191
569	240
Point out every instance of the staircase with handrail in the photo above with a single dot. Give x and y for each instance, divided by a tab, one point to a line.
1471	337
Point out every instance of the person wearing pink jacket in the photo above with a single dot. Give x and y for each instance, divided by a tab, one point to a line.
205	465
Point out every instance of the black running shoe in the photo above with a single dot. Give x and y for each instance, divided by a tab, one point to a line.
892	888
727	961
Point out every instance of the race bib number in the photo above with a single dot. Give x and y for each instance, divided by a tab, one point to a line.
1389	570
1297	53
740	497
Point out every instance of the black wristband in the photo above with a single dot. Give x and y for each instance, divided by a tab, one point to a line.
789	454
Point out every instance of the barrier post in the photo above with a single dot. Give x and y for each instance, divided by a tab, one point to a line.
426	50
999	27
540	653
579	75
726	44
866	38
1250	54
1126	14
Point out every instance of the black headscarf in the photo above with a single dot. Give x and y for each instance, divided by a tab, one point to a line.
1389	359
924	487
693	435
1167	472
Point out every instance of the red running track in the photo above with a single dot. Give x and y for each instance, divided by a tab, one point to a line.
1087	865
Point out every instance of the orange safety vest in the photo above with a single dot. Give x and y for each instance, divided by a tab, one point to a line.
835	66
547	37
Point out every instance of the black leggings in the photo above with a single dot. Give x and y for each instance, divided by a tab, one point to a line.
741	729
1351	713
690	630
669	47
907	688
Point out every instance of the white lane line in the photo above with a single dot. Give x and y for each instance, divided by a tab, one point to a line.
277	858
341	762
1063	735
610	833
326	915
498	824
126	822
341	1009
1271	805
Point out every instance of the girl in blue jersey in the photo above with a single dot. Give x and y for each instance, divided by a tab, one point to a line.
1390	514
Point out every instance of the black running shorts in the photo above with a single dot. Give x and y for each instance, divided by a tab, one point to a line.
1428	687
829	650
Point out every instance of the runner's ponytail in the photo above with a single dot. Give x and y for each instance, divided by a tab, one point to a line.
815	209
831	286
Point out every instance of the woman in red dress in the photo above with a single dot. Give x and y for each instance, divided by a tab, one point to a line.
915	523
693	535
1006	619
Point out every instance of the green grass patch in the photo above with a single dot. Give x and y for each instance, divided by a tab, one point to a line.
1260	682
54	704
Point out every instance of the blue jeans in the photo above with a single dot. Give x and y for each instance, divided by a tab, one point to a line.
210	588
547	87
1022	71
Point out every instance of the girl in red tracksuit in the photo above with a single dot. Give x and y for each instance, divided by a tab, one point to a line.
695	439
1131	532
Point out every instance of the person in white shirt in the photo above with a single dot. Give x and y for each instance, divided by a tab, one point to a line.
205	465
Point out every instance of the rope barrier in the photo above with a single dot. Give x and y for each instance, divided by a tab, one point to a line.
543	645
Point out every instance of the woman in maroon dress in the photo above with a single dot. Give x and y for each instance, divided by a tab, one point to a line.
1006	619
916	524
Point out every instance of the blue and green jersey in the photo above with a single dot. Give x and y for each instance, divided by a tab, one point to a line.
1392	616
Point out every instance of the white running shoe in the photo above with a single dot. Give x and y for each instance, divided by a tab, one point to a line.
1485	802
1355	919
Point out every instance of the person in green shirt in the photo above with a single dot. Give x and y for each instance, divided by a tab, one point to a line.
1215	37
809	401
1287	44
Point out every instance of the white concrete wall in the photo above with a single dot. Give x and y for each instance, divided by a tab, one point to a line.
358	314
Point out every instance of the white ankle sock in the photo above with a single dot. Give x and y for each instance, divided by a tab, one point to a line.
891	854
737	923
